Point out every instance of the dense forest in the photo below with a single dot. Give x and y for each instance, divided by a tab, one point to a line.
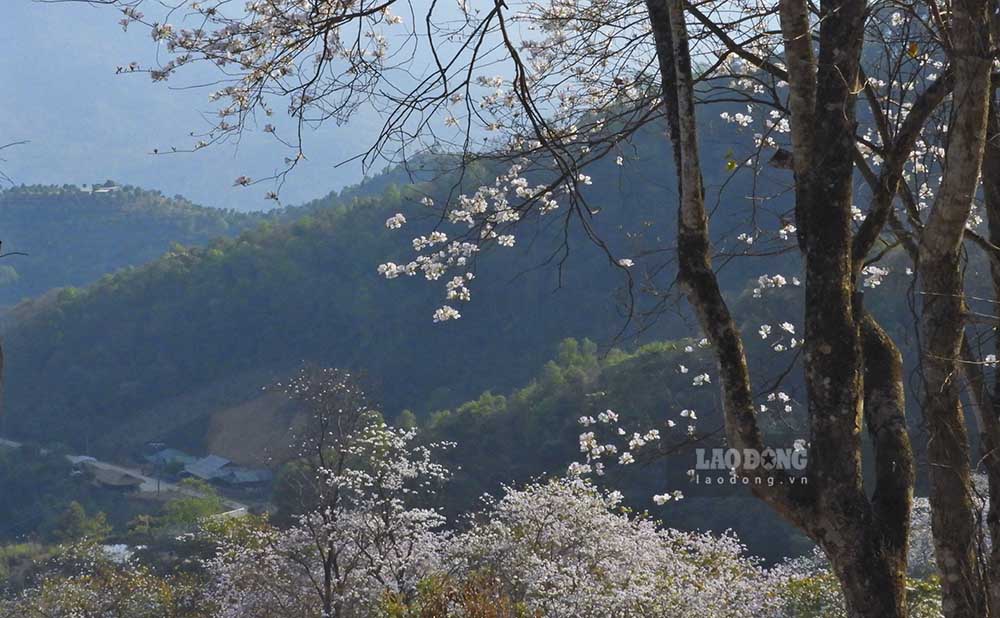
62	236
153	352
283	293
534	430
166	320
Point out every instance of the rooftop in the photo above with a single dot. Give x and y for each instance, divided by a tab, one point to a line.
207	468
114	478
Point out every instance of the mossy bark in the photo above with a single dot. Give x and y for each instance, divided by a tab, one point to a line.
866	540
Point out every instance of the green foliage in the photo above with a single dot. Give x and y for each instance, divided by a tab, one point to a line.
173	468
406	420
198	501
535	428
18	559
535	431
46	487
817	596
140	529
87	582
75	525
294	491
924	597
307	290
477	596
302	285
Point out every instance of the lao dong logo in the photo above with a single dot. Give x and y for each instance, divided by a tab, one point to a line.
750	466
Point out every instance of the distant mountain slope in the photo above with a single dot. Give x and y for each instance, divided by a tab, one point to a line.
86	364
74	235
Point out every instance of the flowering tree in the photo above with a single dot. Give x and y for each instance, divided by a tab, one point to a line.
364	534
546	89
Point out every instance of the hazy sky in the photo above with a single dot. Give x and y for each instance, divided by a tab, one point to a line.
86	124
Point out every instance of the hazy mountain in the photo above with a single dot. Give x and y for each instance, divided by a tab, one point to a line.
74	235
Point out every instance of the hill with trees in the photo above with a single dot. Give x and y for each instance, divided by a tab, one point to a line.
264	301
74	235
68	235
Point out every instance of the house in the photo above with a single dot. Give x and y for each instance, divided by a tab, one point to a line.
235	475
79	463
208	468
222	470
115	479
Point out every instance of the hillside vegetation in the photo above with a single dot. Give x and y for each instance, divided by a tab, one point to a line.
72	235
85	362
510	439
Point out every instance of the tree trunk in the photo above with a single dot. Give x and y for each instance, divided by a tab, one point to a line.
885	416
872	583
797	37
983	404
953	516
988	403
866	541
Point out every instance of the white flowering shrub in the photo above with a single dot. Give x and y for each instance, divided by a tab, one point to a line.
85	581
564	548
556	549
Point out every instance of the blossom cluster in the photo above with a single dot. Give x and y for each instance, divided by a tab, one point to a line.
486	217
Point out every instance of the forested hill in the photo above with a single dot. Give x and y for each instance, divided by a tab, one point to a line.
137	355
74	235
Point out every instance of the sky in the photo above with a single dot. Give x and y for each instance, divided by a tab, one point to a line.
85	124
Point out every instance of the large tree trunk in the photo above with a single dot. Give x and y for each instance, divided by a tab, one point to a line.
885	416
952	508
953	516
982	403
987	402
797	38
832	359
865	540
872	585
869	557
